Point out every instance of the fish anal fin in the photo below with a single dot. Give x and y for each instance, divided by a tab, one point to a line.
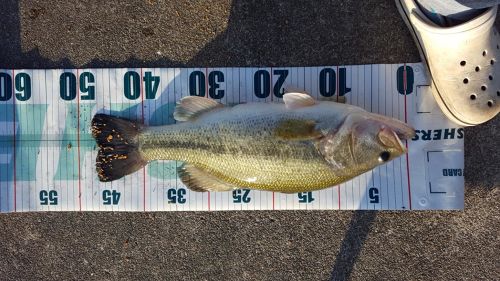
296	129
190	107
199	180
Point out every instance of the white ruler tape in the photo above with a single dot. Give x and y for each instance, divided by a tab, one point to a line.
47	154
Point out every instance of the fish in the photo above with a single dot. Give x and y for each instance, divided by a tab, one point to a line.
299	145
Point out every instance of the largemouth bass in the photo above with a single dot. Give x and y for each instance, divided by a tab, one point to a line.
301	145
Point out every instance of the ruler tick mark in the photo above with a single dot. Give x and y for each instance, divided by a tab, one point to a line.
14	143
143	168
406	141
78	138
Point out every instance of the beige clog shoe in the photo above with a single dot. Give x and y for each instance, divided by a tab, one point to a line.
463	62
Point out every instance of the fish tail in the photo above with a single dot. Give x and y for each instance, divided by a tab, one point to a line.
119	153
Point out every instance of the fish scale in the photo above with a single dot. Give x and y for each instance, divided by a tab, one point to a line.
233	154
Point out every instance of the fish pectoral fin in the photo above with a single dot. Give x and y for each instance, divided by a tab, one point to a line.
299	130
298	100
199	180
188	108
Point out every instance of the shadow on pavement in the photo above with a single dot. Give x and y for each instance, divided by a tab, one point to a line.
10	30
352	244
272	33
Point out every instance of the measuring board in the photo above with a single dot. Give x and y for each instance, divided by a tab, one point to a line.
47	153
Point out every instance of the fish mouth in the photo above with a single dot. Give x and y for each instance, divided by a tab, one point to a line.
401	129
401	147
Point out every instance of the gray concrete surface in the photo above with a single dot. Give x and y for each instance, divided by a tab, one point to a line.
291	245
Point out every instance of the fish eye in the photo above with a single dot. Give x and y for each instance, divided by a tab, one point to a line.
384	156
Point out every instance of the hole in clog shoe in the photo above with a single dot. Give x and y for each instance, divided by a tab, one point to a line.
478	68
484	53
466	81
473	96
492	62
462	63
490	103
498	93
483	87
490	77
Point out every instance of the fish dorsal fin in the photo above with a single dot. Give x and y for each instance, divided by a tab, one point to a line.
297	100
188	108
299	130
199	180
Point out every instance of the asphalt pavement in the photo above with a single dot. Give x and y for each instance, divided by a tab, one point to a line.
260	245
